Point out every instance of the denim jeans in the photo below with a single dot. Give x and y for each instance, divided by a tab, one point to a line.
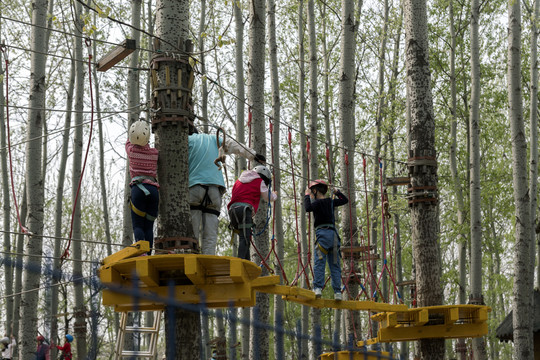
240	216
205	224
143	227
326	236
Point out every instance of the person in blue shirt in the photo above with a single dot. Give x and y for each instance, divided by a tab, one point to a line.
327	243
206	184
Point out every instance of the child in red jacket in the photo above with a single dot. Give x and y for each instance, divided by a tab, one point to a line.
66	349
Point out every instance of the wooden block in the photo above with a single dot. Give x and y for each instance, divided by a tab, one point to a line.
194	270
146	272
237	271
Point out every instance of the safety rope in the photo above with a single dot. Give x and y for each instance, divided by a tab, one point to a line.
24	230
88	42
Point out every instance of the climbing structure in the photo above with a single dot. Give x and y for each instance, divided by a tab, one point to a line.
135	282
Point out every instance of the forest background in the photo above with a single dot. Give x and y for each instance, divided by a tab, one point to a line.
380	114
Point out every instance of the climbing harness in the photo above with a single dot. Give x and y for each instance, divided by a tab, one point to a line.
203	206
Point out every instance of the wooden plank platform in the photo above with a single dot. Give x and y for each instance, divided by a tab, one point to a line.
145	282
446	321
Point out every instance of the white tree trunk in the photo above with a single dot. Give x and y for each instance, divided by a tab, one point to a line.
533	169
256	74
6	203
522	290
279	306
59	201
479	349
34	184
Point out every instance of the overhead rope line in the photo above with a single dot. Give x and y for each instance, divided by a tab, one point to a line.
44	256
64	238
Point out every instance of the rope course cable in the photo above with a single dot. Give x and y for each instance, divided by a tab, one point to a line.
65	238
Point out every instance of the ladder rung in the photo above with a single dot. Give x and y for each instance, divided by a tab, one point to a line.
136	353
142	330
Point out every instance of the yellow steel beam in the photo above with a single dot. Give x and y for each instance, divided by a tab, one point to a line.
139	248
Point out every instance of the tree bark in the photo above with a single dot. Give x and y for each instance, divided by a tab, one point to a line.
6	203
34	183
522	289
172	24
256	74
279	306
424	216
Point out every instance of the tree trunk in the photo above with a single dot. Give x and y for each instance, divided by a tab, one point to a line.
79	326
17	288
533	177
279	306
256	73
6	207
59	203
346	141
461	347
172	23
522	290
204	87
479	349
424	216
34	183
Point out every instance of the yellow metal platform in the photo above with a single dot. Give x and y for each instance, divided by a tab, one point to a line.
447	321
356	355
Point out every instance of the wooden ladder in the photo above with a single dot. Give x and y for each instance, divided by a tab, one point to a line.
151	349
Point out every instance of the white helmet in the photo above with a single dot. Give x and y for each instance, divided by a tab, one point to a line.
263	172
5	341
139	133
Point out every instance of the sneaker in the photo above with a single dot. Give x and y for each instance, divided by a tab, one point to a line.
318	292
337	296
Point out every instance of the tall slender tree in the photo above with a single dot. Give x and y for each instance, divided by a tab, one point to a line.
279	306
172	28
34	183
522	289
256	74
479	349
424	215
6	203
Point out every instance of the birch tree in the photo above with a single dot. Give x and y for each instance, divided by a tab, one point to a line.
79	326
522	289
6	203
279	306
479	349
34	183
256	73
424	216
241	163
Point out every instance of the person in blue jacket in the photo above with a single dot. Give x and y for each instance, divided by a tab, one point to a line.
206	184
327	242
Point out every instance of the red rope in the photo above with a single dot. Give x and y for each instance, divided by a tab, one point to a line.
66	251
24	230
250	118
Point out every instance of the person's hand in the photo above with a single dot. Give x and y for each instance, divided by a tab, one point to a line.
308	191
260	158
